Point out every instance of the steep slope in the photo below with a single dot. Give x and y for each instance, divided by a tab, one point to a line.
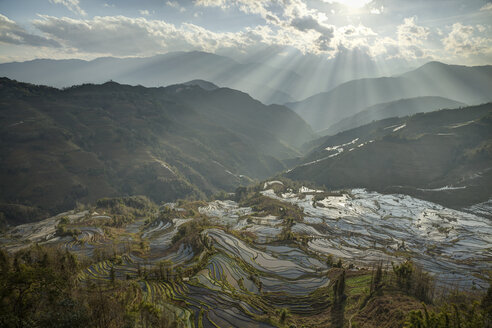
160	70
275	257
470	85
399	108
443	156
79	144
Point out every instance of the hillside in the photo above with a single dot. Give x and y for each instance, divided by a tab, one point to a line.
60	147
399	108
443	156
276	255
470	85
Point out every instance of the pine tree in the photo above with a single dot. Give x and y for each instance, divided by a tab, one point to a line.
112	275
341	287
376	283
335	292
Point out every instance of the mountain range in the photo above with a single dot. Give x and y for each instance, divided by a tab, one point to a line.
469	85
402	107
60	147
270	77
194	139
156	71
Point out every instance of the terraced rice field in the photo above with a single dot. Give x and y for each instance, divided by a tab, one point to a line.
363	227
234	281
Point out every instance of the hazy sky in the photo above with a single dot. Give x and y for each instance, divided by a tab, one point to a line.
412	31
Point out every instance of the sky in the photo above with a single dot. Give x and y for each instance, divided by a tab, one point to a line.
413	32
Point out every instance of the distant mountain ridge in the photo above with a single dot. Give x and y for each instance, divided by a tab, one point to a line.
205	85
60	147
270	75
156	71
470	85
398	108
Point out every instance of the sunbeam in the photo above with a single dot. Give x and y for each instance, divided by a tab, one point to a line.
245	163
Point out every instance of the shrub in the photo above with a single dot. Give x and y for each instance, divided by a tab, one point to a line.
414	281
403	274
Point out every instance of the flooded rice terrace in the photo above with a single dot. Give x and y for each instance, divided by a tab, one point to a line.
363	227
246	255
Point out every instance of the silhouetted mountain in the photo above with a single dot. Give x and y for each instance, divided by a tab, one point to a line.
85	142
160	70
205	85
470	85
271	75
443	156
399	108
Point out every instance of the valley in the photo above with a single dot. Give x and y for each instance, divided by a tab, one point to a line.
153	202
268	164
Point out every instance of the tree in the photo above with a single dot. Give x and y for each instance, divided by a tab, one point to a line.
112	275
339	296
487	307
283	315
463	315
378	277
341	286
240	193
403	274
339	263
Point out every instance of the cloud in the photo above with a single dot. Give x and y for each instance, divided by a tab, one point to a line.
12	33
287	24
377	11
72	5
176	5
350	3
410	38
486	7
126	36
296	14
410	33
256	7
357	31
212	3
481	28
310	23
116	35
408	44
291	16
461	41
